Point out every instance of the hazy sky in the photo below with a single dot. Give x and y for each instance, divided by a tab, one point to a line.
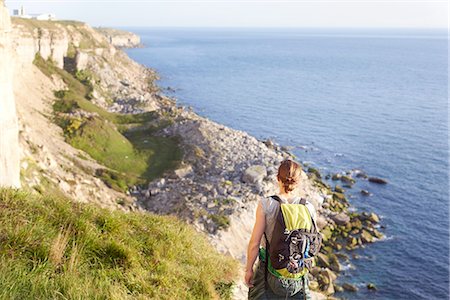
246	13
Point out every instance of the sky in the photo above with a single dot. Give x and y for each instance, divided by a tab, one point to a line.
247	13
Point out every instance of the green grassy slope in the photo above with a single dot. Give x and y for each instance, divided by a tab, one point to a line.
53	248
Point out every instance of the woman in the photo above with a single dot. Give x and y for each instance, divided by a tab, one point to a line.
269	284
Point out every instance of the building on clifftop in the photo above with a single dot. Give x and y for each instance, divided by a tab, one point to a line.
20	13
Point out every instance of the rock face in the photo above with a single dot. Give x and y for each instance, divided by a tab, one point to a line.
52	40
9	133
120	38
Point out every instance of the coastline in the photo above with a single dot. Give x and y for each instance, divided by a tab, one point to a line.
223	171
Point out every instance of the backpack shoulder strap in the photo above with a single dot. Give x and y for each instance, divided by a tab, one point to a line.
313	220
276	198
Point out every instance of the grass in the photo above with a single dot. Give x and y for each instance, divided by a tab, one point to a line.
136	157
222	221
53	248
125	144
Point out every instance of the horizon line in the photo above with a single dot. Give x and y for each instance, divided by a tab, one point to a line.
266	27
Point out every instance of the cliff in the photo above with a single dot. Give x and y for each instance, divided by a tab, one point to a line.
9	139
78	53
53	40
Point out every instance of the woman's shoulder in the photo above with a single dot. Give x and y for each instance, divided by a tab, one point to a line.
311	208
268	203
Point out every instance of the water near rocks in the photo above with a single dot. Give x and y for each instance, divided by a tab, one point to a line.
371	100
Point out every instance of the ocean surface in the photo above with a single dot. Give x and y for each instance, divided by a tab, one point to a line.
343	99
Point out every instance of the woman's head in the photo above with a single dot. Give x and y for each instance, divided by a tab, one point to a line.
289	175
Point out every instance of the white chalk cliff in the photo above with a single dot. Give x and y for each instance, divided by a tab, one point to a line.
9	134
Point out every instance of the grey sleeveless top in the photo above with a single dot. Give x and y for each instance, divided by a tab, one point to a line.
271	208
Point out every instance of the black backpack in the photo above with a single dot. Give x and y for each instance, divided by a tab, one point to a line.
295	240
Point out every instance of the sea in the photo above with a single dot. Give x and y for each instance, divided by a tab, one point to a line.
343	99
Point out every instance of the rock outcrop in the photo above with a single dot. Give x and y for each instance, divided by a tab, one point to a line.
53	40
9	133
120	38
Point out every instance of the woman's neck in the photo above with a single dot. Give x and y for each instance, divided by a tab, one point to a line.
286	196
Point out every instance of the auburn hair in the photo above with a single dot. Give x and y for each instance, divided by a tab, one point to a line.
289	174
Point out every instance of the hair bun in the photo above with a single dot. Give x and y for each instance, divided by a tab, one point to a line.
289	174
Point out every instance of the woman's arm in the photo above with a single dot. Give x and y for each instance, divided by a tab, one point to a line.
253	245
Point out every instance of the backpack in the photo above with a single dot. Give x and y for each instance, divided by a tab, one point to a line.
295	241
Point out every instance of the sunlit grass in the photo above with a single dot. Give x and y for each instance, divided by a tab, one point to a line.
53	248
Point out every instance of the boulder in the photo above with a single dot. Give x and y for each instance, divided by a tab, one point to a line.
328	274
315	271
326	278
356	224
352	242
355	231
337	246
254	174
321	222
328	289
336	176
326	249
334	263
269	144
365	193
322	260
339	189
349	287
315	172
314	285
326	234
183	172
339	197
338	288
377	234
341	218
347	180
378	180
369	217
373	218
360	173
371	286
366	237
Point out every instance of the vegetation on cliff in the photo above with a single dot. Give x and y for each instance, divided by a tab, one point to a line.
125	144
53	248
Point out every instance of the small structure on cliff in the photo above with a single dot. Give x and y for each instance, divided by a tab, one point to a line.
20	13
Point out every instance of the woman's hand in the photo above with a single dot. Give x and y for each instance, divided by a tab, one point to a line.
248	279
